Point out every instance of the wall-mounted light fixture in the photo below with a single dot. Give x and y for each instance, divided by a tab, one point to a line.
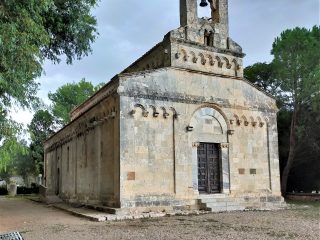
189	128
230	132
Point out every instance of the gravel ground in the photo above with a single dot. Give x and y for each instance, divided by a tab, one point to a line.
37	221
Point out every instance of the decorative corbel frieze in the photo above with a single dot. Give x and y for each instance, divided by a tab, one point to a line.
155	112
165	113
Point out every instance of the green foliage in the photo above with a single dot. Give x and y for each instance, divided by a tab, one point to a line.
40	128
69	96
297	64
8	127
32	31
71	28
9	149
293	78
19	163
304	174
262	75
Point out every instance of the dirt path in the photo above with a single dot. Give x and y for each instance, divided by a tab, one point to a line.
37	221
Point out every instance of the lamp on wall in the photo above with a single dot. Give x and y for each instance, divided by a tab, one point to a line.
189	128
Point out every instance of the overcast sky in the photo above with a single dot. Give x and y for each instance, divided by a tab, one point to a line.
130	28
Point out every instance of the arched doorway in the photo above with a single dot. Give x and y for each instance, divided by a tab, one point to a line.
210	155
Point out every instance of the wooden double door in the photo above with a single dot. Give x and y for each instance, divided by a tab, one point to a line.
208	168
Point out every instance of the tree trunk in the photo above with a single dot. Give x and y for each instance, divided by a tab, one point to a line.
286	171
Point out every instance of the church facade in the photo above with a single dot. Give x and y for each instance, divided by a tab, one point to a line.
179	128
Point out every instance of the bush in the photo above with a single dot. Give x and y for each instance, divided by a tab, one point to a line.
3	191
25	190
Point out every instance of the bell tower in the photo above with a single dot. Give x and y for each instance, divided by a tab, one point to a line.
188	12
217	23
199	44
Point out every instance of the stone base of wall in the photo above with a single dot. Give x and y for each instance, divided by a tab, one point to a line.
168	204
158	203
82	199
224	202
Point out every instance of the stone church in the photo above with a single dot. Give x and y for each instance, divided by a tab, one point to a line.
179	128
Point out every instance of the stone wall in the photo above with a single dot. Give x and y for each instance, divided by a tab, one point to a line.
81	160
157	153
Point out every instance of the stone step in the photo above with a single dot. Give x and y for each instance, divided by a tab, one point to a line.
207	205
235	208
216	209
219	204
104	209
210	196
225	208
92	215
213	200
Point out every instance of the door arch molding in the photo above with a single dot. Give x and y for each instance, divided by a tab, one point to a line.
210	125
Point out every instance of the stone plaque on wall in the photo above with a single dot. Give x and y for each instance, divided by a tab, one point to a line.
131	176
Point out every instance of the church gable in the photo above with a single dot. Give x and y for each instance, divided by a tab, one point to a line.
178	85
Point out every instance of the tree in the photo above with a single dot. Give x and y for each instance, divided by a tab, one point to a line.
41	127
70	95
296	64
32	31
304	174
9	151
263	76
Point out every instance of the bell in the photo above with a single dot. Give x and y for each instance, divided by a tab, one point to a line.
203	3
